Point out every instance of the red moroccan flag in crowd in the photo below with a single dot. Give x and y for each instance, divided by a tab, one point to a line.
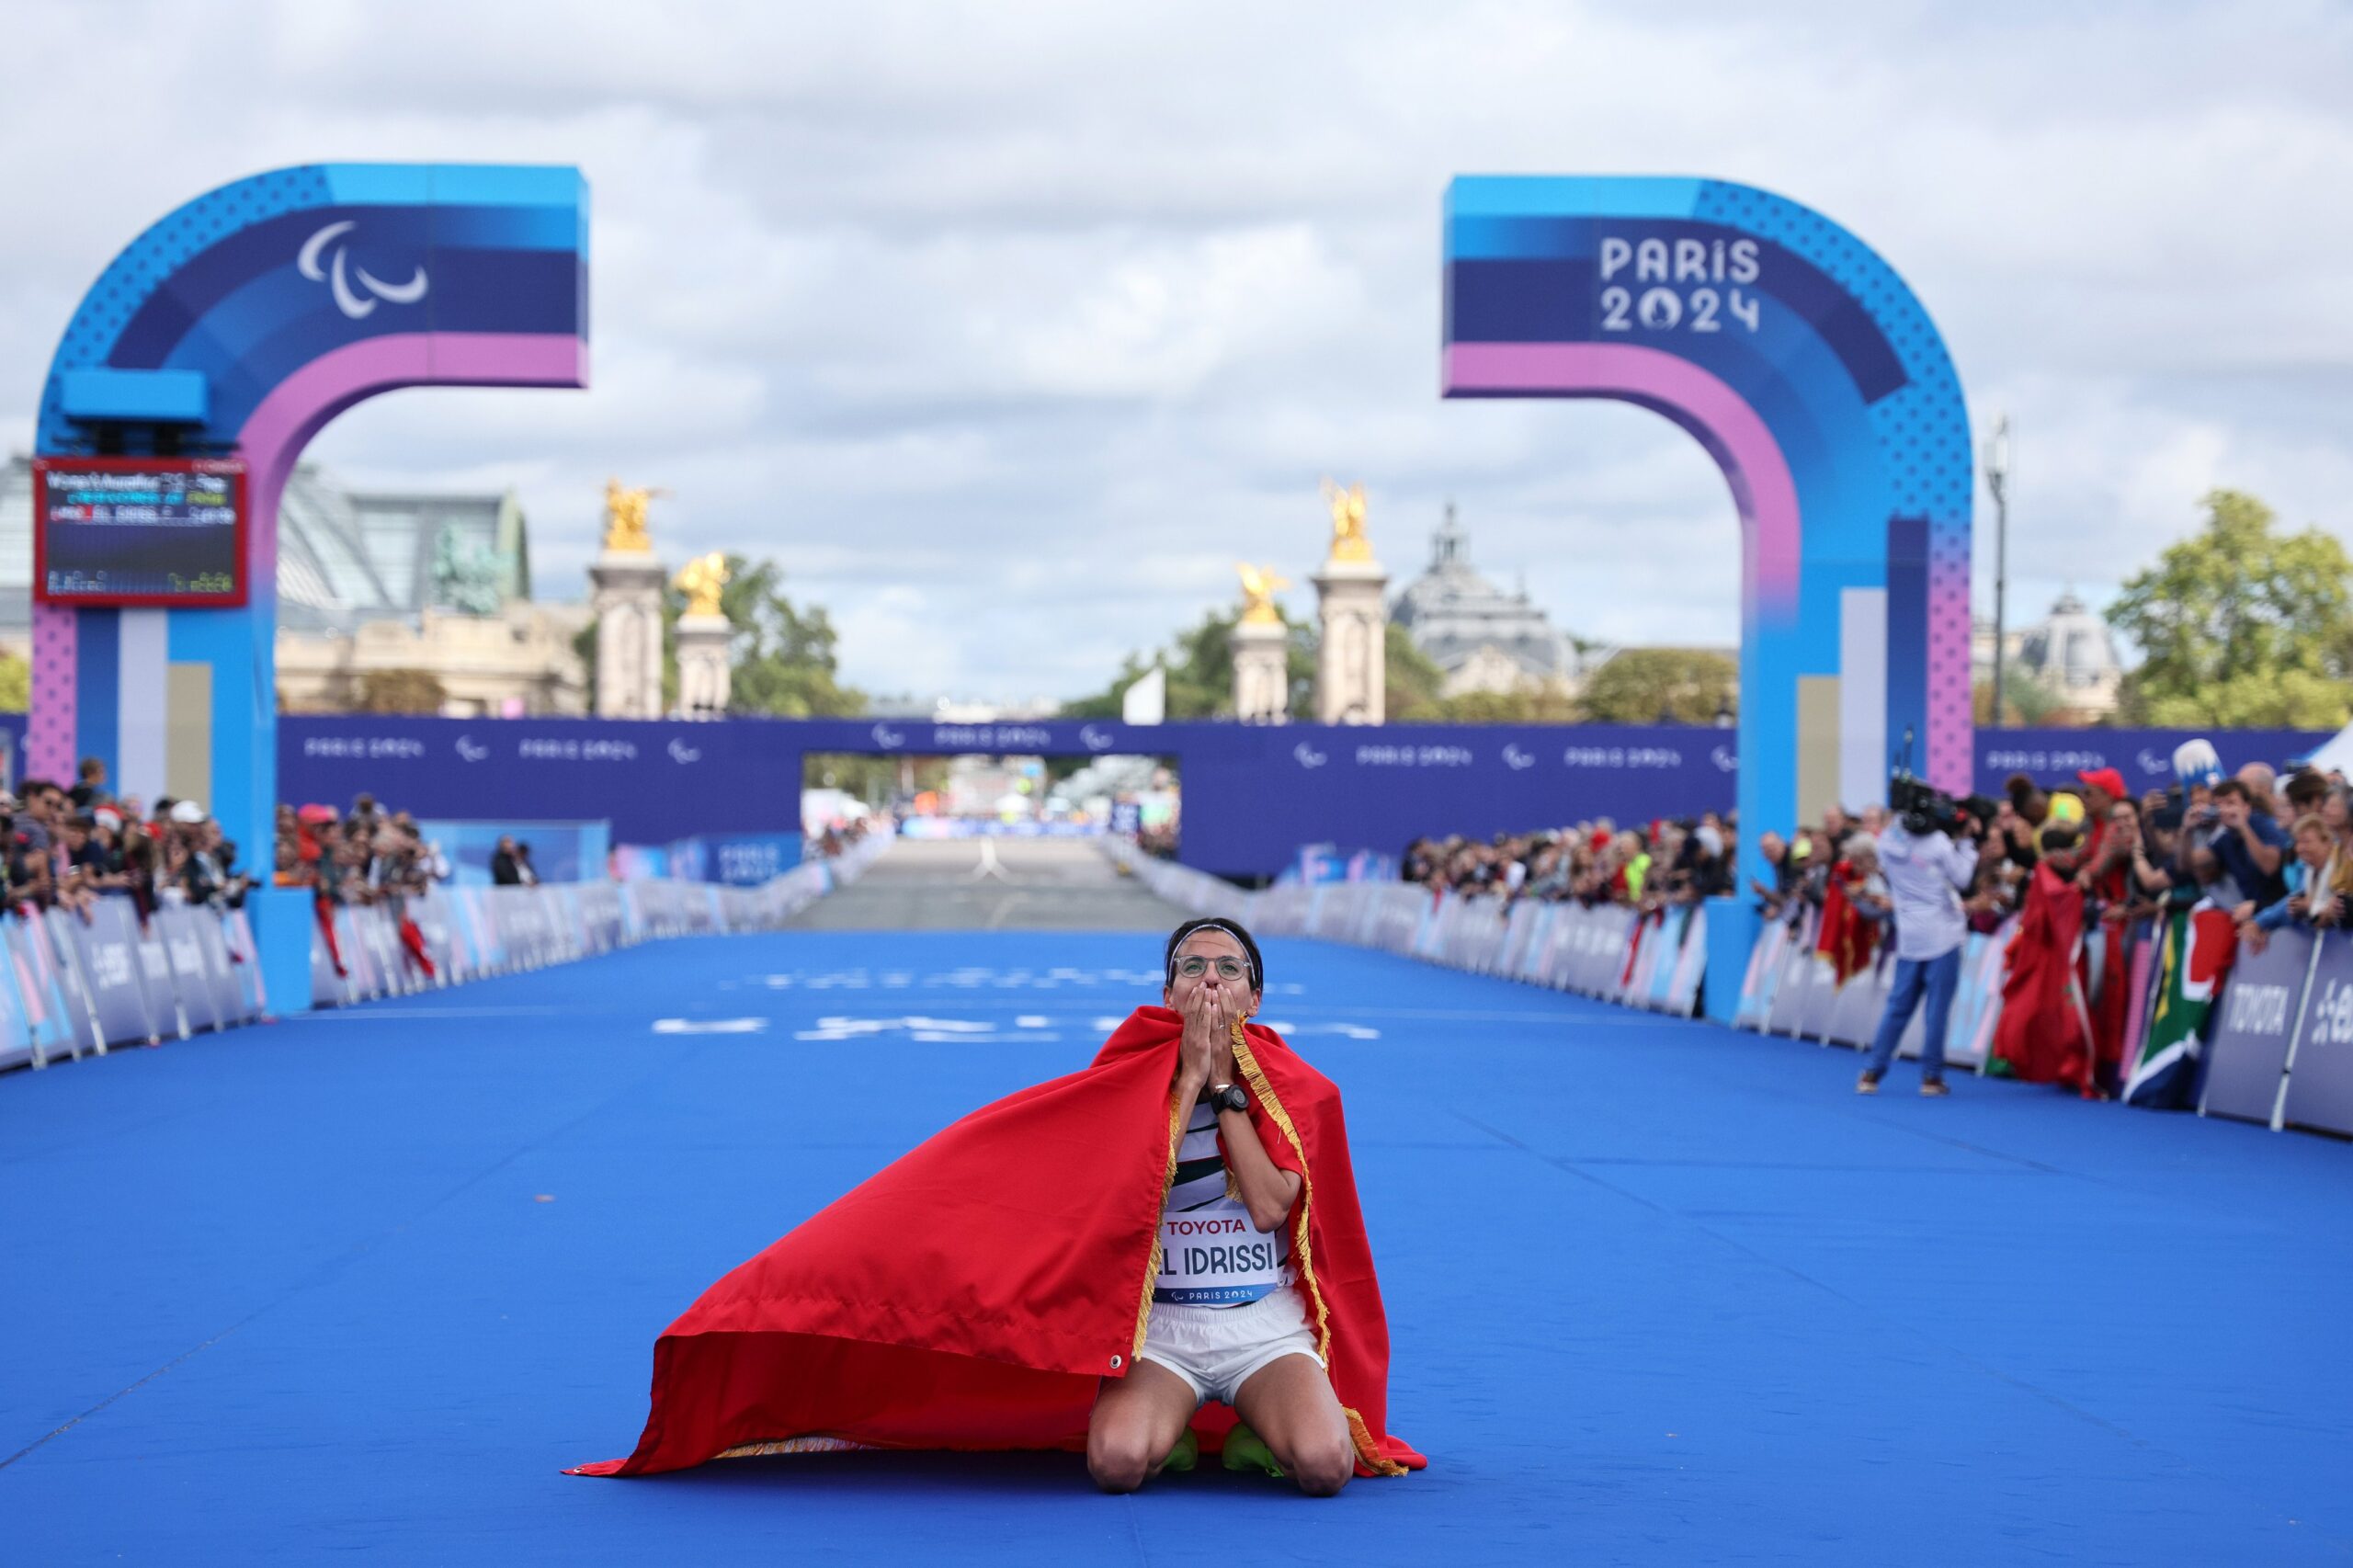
2044	1035
1848	933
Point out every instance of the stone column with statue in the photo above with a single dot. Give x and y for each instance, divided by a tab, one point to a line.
704	636
1261	646
626	595
1351	665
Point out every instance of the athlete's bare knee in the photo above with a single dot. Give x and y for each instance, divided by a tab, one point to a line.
1323	1468
1117	1464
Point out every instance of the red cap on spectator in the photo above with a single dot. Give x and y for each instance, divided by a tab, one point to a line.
316	815
2106	779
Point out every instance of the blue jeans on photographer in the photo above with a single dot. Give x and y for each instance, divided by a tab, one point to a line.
1940	977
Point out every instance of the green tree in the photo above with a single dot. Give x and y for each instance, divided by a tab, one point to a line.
1199	662
1526	706
876	780
2240	625
2026	699
1411	679
1644	685
1107	703
399	692
783	658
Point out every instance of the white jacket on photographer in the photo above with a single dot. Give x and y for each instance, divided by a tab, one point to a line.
1927	874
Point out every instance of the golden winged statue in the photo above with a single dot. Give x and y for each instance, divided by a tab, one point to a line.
625	519
1348	543
700	580
1259	586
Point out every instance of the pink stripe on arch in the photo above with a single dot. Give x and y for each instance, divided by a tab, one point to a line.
1717	417
300	405
509	360
1951	741
50	748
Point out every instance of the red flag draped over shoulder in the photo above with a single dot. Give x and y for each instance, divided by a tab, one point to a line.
971	1294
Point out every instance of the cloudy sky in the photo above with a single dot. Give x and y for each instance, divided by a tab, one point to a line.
1008	327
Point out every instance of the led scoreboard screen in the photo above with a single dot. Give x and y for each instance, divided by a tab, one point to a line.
139	531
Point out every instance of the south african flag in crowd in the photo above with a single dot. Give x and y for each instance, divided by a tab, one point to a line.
2198	946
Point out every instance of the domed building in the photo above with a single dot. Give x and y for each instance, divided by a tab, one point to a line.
1482	637
2070	653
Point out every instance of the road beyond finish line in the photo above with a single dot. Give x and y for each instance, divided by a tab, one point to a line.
1659	1292
988	884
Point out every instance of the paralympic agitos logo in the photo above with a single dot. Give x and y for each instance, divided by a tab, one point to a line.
337	275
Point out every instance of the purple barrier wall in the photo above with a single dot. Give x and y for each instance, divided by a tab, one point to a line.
2319	1091
2250	1046
1253	794
2144	757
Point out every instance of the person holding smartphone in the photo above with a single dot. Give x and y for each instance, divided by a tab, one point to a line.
2252	845
2320	876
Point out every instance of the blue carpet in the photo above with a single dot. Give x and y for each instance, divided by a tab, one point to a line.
1660	1292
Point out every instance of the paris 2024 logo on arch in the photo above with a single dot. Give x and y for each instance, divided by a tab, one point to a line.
1803	365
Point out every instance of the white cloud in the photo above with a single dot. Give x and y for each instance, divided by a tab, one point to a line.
1009	329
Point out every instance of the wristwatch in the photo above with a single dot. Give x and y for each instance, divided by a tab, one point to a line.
1229	1096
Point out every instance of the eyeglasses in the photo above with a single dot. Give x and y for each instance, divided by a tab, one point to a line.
1194	967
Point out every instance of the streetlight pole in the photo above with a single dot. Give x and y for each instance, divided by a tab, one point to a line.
1997	482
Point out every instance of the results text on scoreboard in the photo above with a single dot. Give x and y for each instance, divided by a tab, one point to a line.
162	531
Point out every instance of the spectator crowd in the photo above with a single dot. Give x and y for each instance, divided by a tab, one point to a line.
69	846
838	839
370	856
2080	865
2271	851
1647	866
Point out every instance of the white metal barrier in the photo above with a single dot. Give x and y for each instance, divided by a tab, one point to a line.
471	932
76	984
1653	961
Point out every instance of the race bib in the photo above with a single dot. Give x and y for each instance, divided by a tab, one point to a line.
1212	1256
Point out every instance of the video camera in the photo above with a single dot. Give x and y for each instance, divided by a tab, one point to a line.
1925	810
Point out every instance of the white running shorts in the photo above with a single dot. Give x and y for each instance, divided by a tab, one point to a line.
1216	1349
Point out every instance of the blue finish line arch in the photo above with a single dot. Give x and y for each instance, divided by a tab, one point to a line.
1817	381
236	327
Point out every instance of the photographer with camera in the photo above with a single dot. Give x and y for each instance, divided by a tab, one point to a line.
1928	855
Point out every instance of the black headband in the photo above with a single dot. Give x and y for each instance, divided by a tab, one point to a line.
1249	953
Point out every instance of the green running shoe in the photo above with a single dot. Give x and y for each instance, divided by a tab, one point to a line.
1184	1455
1245	1449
